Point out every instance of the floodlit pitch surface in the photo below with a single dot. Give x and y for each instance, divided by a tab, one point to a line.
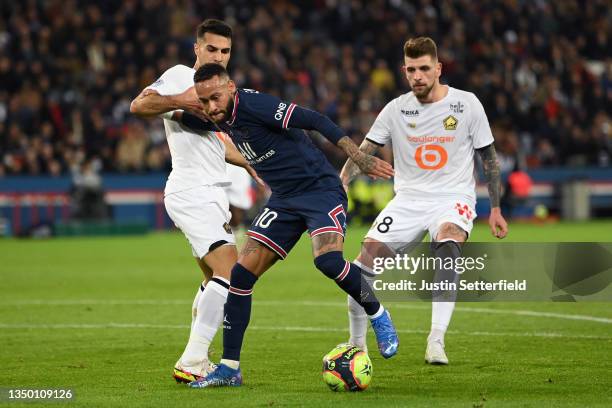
108	317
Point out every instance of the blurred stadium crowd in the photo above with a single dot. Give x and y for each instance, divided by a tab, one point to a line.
69	69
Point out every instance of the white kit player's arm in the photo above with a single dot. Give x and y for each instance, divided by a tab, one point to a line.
483	144
150	103
173	90
492	173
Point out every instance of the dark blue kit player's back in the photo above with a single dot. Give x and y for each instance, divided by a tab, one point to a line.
307	193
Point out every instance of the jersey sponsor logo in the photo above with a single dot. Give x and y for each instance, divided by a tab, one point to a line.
457	107
430	157
247	151
247	90
450	123
410	112
280	110
431	139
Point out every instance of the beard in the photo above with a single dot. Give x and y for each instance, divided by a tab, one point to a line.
423	91
225	115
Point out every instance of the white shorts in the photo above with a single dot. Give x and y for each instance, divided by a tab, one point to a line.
202	213
405	221
239	193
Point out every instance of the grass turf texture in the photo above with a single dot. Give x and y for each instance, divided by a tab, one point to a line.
108	317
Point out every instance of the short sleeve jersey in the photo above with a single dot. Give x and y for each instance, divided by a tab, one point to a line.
197	158
434	143
283	156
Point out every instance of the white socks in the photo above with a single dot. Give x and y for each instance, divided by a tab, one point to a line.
233	364
208	318
441	313
358	323
194	306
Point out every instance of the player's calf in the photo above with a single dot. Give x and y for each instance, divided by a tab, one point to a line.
443	301
350	279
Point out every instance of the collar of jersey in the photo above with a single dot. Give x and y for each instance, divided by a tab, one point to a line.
236	100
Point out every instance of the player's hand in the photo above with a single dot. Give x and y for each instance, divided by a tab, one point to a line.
374	167
256	177
188	100
497	223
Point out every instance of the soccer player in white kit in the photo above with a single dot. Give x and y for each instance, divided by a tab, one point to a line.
434	130
194	195
239	197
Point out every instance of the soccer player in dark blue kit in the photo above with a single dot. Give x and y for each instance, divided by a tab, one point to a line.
307	194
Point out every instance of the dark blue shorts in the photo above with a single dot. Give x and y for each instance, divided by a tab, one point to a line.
280	224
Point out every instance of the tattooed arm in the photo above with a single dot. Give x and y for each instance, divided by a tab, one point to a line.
350	169
363	161
499	227
300	118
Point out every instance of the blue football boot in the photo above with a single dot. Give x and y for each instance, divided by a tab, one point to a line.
386	335
222	376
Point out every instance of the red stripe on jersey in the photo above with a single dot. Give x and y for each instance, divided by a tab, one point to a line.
288	115
236	100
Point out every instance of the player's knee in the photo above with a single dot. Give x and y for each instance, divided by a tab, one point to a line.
451	231
242	278
331	264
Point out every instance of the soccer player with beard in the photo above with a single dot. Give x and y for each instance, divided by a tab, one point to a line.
306	195
435	130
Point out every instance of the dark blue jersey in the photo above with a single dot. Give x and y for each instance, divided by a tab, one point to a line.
268	132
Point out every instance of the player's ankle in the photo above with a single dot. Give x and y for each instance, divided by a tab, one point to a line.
436	334
379	313
233	364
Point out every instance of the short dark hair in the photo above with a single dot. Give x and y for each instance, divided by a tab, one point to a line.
417	47
211	25
208	71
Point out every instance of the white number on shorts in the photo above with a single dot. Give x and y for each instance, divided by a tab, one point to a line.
266	218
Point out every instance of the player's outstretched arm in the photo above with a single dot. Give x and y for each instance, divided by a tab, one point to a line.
150	103
350	170
233	156
368	164
490	165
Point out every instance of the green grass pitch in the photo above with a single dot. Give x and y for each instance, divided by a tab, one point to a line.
108	317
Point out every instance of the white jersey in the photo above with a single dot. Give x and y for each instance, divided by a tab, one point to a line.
433	143
197	160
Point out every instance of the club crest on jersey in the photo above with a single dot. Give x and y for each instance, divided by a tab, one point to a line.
227	228
450	123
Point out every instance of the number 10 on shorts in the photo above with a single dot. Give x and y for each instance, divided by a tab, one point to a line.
266	217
